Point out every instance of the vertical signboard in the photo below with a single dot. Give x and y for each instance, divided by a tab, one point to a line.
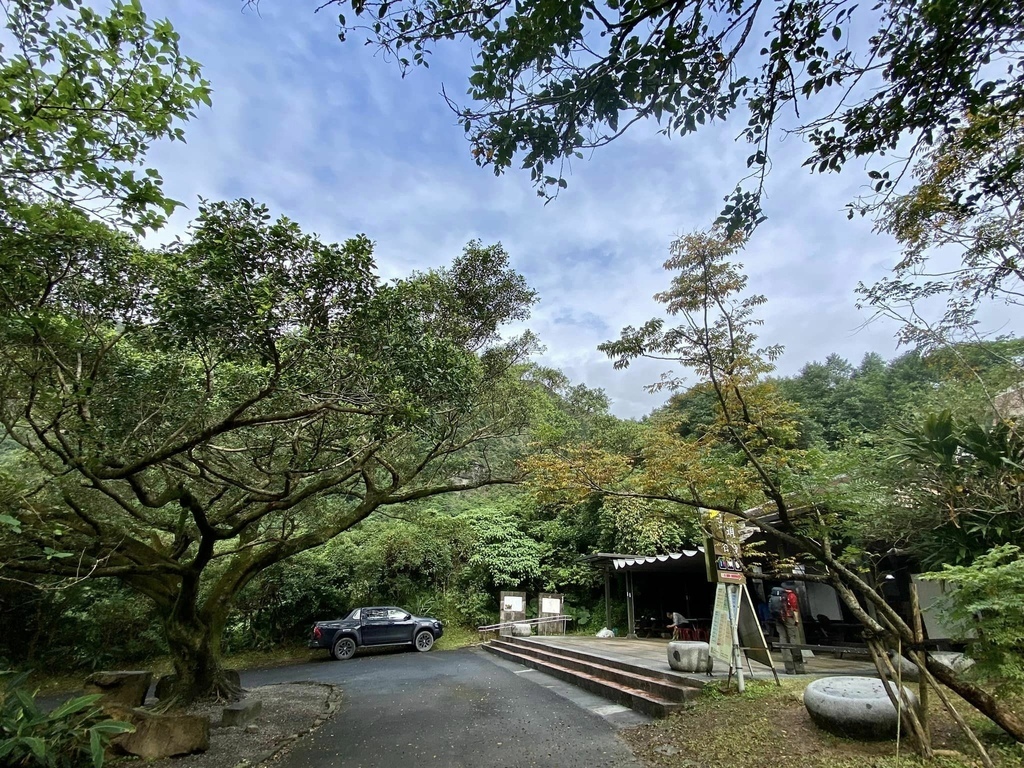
550	605
720	639
513	608
748	630
724	550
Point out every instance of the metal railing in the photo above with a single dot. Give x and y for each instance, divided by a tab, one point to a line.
531	622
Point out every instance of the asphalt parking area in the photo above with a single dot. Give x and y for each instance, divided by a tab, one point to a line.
454	708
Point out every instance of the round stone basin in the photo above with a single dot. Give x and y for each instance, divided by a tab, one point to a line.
689	656
857	707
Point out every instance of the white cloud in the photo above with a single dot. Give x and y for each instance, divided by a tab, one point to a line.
331	136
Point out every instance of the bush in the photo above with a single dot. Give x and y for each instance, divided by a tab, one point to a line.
75	733
986	606
102	624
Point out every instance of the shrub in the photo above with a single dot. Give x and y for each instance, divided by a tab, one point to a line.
75	733
986	606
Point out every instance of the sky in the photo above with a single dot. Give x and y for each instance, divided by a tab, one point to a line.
332	136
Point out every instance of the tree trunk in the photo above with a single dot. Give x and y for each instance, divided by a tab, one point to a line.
194	643
980	699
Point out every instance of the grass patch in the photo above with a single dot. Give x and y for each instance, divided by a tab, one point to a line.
768	727
458	637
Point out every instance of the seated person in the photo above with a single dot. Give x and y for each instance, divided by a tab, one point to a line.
678	623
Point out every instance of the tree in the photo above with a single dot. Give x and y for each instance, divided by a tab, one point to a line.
82	96
190	416
960	487
968	199
823	389
745	463
985	606
553	79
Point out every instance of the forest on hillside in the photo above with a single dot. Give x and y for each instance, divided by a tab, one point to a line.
450	556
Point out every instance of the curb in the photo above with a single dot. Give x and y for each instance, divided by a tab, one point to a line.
331	706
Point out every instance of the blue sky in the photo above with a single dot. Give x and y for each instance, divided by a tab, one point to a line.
330	135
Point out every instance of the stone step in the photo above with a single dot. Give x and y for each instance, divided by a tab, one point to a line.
692	680
592	680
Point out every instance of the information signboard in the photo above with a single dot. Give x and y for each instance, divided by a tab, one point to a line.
720	639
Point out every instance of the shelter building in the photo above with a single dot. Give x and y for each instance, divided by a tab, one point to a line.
656	585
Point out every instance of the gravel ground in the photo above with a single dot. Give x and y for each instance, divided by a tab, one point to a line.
290	710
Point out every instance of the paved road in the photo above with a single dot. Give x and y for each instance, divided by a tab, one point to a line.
454	708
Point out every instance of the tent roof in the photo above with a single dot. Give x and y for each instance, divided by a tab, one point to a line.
687	560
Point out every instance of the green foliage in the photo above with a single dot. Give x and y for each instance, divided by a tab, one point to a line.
502	552
842	404
553	79
74	734
984	603
646	527
83	95
962	487
967	200
102	625
239	396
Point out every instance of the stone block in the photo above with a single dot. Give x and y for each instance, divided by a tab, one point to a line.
158	736
240	713
957	662
856	707
689	656
128	689
233	677
522	630
164	685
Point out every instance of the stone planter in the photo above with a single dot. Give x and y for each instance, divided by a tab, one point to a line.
856	707
522	630
689	656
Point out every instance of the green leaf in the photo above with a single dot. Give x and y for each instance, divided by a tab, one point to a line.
96	748
37	745
75	705
13	522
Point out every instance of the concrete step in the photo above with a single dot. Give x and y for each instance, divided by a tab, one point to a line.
671	689
633	692
694	680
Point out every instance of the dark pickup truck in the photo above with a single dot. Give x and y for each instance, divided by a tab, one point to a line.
385	625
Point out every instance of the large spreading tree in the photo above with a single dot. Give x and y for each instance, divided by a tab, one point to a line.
186	417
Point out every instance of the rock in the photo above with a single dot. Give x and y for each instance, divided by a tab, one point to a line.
521	630
241	713
857	707
232	677
128	689
689	656
957	662
164	685
159	736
